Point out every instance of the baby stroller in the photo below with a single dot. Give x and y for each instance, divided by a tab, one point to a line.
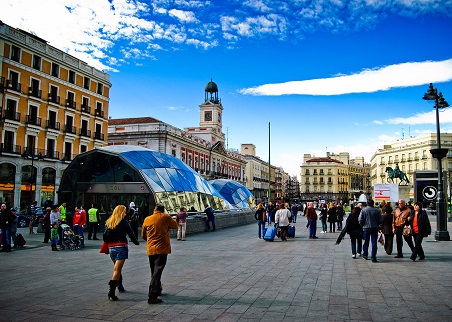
70	240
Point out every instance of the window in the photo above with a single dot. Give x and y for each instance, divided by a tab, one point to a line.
33	90
69	127
173	152
50	148
98	133
86	83
55	72
83	148
67	151
190	164
8	141
99	111
100	88
13	81
84	128
53	95
15	53
71	77
32	117
70	100
183	157
36	63
31	144
52	121
10	112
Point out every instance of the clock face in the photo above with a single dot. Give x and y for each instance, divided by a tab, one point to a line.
208	116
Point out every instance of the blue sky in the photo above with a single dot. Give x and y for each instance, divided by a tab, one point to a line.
329	75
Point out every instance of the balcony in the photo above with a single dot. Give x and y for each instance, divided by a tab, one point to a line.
11	115
34	92
99	136
53	99
13	85
52	125
99	113
85	108
71	104
70	129
10	148
67	157
33	120
85	132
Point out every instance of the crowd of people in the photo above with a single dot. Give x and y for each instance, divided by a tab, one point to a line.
366	225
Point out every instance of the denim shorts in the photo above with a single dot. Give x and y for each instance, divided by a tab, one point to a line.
119	253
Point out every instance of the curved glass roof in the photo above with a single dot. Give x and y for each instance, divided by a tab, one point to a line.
235	193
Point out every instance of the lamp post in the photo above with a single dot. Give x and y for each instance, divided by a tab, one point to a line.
27	155
439	153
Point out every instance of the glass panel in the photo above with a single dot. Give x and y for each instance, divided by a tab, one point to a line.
153	180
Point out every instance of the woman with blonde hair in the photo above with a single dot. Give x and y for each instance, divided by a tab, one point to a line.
117	229
332	217
259	215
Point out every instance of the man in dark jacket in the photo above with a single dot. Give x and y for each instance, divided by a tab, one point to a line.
210	218
6	218
370	218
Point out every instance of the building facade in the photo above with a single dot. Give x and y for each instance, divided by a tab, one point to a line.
201	148
53	107
412	154
333	177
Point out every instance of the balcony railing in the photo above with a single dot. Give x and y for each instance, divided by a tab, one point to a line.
71	104
66	157
11	115
53	98
85	132
34	92
33	120
70	129
85	108
53	125
99	113
14	86
10	148
99	136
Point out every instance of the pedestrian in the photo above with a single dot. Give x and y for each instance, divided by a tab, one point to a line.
386	227
133	217
14	222
323	217
63	211
282	220
355	231
6	218
54	236
32	216
46	225
340	212
56	218
156	232
370	219
181	219
210	218
399	221
294	210
311	215
79	222
93	222
268	208
260	215
420	228
332	217
117	229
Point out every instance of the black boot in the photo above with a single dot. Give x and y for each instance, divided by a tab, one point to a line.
111	293
120	286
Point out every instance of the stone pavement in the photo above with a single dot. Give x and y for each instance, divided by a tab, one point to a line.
229	275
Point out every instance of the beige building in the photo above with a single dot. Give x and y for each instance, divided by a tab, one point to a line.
53	107
333	177
411	154
201	148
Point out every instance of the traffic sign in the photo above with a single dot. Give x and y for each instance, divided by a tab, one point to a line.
430	192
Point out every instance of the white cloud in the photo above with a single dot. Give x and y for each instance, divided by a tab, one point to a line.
183	16
367	81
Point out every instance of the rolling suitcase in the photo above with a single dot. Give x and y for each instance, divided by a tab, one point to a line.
20	240
270	234
291	231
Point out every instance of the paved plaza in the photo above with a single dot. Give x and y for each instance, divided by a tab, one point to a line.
230	275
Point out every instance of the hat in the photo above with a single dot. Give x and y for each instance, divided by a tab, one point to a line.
13	209
132	204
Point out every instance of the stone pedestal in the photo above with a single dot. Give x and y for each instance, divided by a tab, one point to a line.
404	193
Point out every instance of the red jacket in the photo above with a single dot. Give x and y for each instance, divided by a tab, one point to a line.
79	218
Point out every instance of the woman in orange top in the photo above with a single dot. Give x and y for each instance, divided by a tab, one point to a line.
420	228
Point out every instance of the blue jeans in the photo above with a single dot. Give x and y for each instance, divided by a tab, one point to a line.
269	218
312	228
261	226
356	239
371	235
79	231
294	217
6	236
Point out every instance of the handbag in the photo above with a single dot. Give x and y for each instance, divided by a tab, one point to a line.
407	231
380	239
104	248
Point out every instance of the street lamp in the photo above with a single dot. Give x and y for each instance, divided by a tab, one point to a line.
439	153
27	155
